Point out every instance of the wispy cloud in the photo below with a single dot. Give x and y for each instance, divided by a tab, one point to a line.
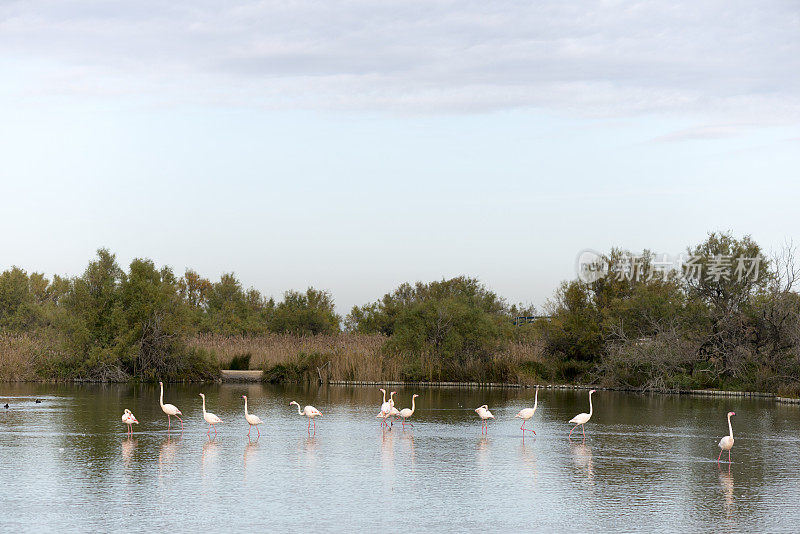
732	58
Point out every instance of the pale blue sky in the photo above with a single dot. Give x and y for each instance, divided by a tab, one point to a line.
354	145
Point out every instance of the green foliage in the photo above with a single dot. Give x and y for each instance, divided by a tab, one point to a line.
226	308
302	368
451	324
306	313
240	362
645	332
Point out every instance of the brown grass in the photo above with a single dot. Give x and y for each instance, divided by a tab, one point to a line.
346	356
20	354
351	356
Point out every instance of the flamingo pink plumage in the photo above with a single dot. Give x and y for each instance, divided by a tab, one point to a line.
129	419
484	413
527	413
582	418
169	409
726	443
252	420
310	412
210	418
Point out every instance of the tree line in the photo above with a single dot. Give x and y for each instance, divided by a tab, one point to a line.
626	329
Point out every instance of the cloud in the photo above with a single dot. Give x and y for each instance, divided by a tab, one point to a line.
730	58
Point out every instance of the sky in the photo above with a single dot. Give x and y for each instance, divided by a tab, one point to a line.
355	145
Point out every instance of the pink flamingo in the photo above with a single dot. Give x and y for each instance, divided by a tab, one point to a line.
484	413
386	407
405	413
169	409
310	412
129	419
726	443
252	420
210	418
582	418
527	413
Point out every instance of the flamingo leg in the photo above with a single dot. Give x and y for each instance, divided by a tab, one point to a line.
181	420
729	456
583	428
249	430
528	429
169	422
259	432
570	432
720	456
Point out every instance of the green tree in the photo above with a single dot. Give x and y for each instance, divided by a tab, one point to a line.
311	312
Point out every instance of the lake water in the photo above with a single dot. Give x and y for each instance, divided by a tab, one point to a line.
649	462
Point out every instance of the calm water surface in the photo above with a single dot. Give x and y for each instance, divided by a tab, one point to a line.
648	462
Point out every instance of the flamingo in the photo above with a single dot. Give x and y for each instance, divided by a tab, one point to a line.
582	418
169	409
405	413
527	413
310	412
726	443
251	419
386	407
129	419
484	413
210	418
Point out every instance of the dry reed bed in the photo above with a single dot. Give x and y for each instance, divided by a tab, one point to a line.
19	354
350	355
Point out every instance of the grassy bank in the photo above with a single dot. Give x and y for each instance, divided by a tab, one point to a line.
291	358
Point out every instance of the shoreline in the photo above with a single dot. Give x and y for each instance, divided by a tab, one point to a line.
254	376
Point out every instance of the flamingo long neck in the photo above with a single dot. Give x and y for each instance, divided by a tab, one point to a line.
730	428
384	396
299	410
204	405
245	407
391	400
161	398
414	408
536	399
590	404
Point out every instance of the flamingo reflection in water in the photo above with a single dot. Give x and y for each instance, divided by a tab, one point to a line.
250	453
128	446
166	452
582	457
727	487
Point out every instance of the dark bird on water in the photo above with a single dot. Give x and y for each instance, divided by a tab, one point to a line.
38	401
6	406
